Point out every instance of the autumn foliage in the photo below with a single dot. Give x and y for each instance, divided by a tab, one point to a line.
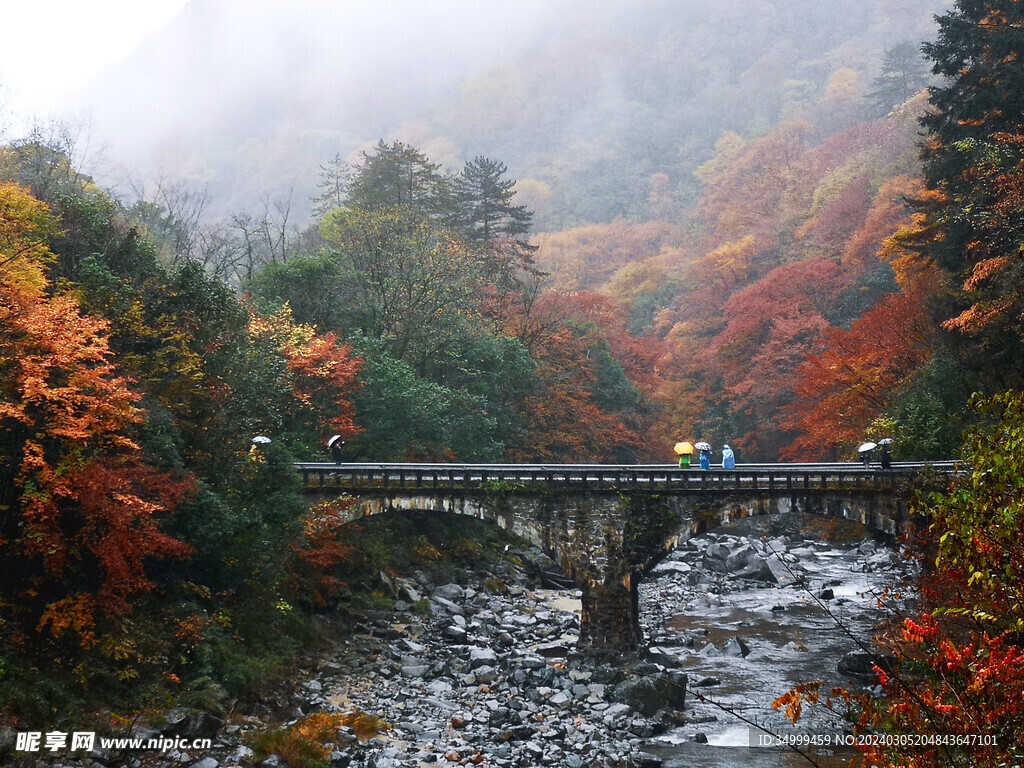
849	384
135	523
81	506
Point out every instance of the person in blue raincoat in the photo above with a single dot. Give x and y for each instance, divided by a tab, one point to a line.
705	459
728	458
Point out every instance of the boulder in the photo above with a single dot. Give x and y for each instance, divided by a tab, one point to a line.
671	567
757	568
441	606
416	671
191	725
649	693
479	657
736	647
452	592
859	665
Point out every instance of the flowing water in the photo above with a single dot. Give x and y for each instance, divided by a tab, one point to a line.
792	637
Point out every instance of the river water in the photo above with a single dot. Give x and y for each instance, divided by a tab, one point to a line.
699	620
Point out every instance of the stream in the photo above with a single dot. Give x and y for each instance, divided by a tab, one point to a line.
746	641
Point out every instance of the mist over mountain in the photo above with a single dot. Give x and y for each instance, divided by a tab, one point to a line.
599	109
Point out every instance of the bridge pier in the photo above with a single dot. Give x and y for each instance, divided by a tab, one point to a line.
610	616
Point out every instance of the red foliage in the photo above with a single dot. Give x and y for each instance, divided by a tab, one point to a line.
320	549
843	388
322	368
83	523
565	421
770	328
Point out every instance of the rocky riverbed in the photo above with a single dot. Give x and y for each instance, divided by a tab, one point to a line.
753	612
484	672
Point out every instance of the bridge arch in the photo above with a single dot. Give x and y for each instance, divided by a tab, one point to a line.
607	525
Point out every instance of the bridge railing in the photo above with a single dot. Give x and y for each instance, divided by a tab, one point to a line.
532	478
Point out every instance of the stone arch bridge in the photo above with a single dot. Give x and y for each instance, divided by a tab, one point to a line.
607	525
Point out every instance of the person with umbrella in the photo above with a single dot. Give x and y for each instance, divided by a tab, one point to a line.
685	451
259	444
705	454
886	457
335	444
865	450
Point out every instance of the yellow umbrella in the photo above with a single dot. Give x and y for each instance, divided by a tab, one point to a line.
684	448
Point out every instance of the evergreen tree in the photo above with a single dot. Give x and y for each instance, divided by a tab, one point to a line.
333	184
489	222
904	74
973	224
485	203
399	176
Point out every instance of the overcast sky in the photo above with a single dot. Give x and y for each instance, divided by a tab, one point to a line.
50	48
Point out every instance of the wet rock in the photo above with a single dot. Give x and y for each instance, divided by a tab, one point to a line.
758	568
736	647
409	591
859	665
191	725
716	558
647	760
443	606
456	633
650	693
450	592
479	657
706	682
671	567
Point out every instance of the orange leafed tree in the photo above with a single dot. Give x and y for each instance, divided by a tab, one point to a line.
564	419
79	506
844	388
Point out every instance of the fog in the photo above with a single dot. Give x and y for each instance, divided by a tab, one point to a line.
582	100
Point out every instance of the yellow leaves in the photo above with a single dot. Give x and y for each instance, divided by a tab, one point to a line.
727	150
280	327
587	257
72	614
25	226
844	85
793	700
730	262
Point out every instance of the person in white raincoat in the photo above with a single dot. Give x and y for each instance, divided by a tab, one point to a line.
728	458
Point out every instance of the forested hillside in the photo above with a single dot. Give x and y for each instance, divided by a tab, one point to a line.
705	189
599	108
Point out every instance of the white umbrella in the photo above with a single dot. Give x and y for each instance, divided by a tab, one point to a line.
885	441
867	447
333	440
262	440
703	446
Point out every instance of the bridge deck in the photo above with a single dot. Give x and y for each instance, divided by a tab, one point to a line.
659	478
